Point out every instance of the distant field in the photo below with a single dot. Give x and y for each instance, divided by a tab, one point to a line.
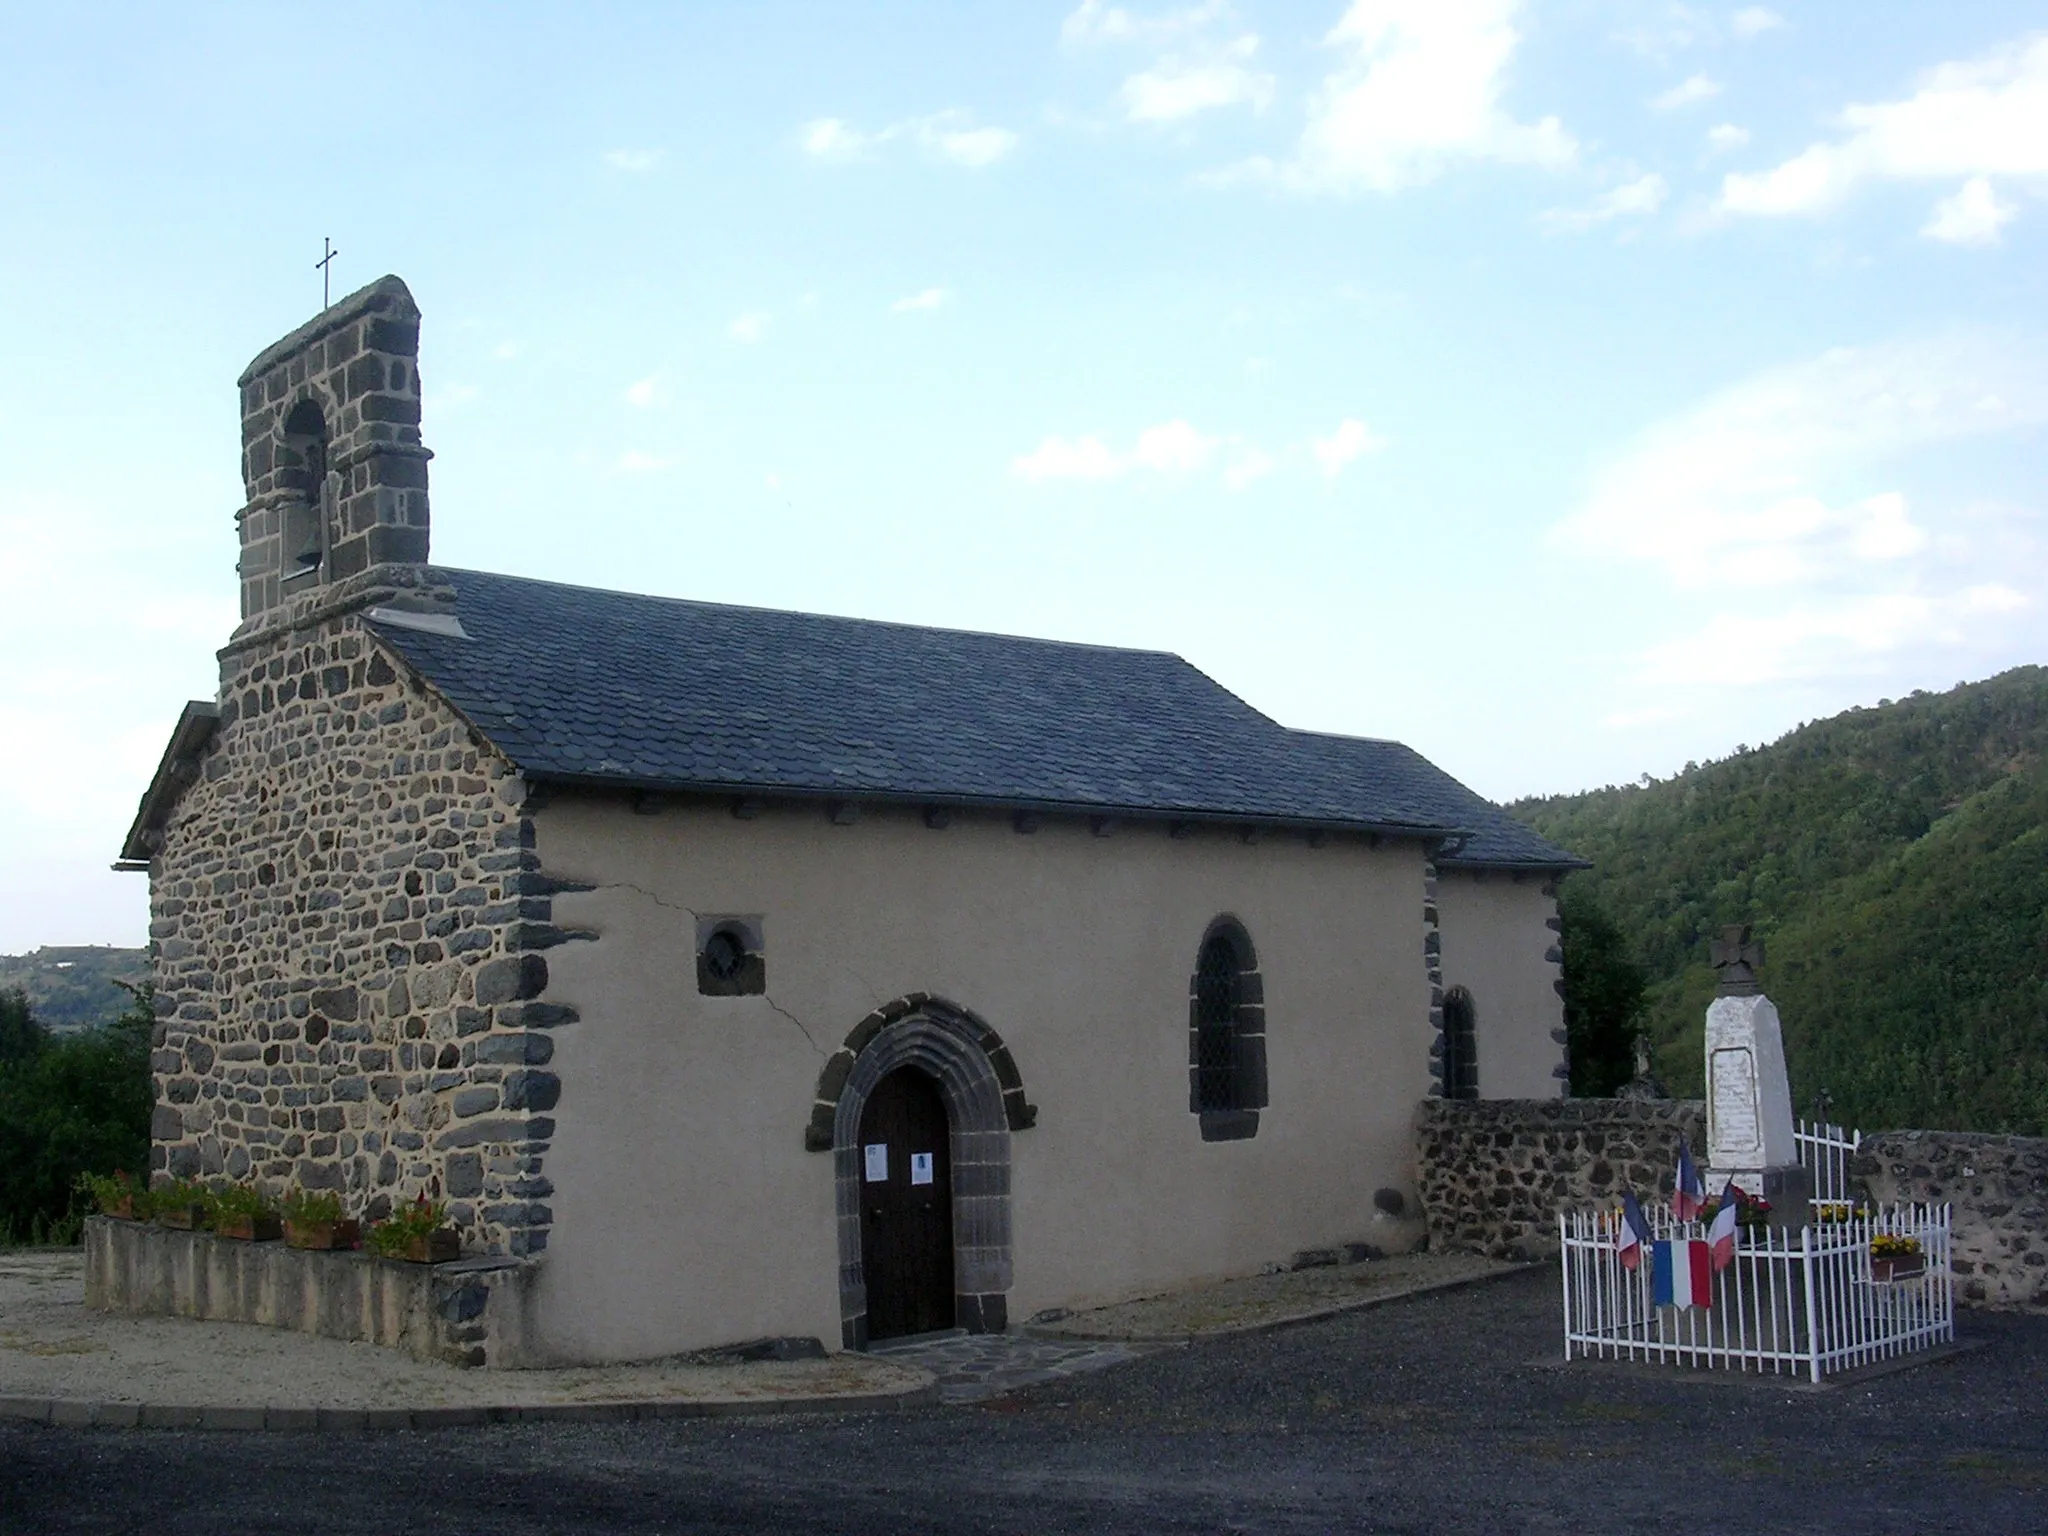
74	986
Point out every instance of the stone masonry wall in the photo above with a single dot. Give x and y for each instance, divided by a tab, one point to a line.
1493	1173
349	918
1998	1186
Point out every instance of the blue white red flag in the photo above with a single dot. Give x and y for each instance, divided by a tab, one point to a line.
1635	1231
1721	1235
1684	1273
1688	1190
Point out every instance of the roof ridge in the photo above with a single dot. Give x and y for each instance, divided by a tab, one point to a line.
838	618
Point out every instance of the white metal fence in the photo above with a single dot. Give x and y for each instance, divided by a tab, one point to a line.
1825	1151
1805	1302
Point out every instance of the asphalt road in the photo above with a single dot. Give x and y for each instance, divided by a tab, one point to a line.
1426	1415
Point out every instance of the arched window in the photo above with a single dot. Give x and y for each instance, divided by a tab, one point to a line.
1226	1034
1460	1046
304	460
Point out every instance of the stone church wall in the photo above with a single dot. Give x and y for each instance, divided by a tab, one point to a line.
1493	1173
348	916
1500	943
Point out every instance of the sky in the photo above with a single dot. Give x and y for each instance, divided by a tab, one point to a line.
1572	389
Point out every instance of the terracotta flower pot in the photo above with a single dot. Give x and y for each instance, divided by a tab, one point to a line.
186	1218
262	1228
1904	1266
437	1247
123	1208
323	1236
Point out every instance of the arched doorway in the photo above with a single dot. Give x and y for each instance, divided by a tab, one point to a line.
906	1206
982	1100
1460	1045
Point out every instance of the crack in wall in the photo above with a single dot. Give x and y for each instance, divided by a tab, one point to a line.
695	916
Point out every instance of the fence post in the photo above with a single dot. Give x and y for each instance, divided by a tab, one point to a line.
1812	1312
1564	1260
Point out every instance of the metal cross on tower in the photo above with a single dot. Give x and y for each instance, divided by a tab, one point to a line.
325	263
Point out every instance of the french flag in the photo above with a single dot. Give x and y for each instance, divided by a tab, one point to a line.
1684	1274
1689	1190
1635	1231
1721	1235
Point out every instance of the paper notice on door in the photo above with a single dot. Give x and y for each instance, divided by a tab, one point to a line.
878	1162
920	1167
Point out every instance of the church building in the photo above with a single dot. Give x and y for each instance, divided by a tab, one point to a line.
761	974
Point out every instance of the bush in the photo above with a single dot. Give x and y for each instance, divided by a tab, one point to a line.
69	1105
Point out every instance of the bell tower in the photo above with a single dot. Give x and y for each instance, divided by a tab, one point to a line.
333	472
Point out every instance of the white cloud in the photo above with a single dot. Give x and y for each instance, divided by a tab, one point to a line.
634	160
1352	441
1770	482
1059	458
1974	216
1419	89
1754	21
1979	118
646	392
830	139
1687	93
1181	86
1247	463
1638	199
1173	448
1093	22
950	135
749	327
634	462
1723	137
930	298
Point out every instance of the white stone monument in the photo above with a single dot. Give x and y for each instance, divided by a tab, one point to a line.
1749	1097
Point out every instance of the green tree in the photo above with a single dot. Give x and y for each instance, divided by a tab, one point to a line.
20	1035
71	1104
1603	995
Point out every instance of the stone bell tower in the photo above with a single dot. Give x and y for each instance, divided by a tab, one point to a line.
333	472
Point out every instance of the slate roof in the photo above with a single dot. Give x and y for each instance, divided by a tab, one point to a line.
586	686
1496	840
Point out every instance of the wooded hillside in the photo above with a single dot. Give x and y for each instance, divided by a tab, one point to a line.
1895	862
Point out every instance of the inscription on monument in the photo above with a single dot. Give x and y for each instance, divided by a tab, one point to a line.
1733	1074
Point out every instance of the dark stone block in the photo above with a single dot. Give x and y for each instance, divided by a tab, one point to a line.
512	979
532	1090
165	1123
464	1175
474	1101
522	1049
1229	1124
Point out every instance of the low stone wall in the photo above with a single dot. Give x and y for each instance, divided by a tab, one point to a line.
471	1312
1493	1173
1998	1186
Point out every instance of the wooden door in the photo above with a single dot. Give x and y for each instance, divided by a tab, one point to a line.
906	1207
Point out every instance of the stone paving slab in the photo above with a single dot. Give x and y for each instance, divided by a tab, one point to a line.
61	1363
973	1367
1257	1302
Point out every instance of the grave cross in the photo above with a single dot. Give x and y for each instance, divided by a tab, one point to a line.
1735	955
324	264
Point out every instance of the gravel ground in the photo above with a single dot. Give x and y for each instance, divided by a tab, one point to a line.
52	1346
1443	1412
1261	1301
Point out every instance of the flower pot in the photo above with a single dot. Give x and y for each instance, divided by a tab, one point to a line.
262	1228
123	1208
186	1218
438	1247
323	1236
1904	1266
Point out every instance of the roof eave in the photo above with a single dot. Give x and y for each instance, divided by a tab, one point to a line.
619	783
176	773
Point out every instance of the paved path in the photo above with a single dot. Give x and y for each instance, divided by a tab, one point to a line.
971	1368
1426	1415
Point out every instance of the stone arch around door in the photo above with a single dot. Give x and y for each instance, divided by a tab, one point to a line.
984	1098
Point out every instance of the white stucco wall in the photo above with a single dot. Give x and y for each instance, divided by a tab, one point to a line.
1496	942
687	1212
